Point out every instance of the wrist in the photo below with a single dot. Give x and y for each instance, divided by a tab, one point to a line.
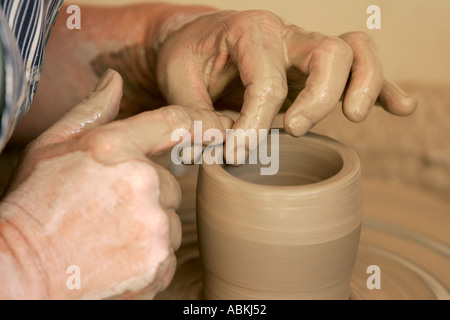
21	273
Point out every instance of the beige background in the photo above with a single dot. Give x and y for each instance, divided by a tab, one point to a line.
413	43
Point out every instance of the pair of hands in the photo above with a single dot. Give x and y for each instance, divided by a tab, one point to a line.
87	195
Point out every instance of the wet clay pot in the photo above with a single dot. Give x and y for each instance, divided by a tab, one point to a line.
292	235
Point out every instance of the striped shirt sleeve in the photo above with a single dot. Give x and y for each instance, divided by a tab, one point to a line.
25	27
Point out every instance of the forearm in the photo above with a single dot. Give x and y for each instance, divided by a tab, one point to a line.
121	38
21	276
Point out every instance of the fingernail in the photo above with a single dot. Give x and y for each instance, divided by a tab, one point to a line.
358	107
298	126
409	106
104	80
226	122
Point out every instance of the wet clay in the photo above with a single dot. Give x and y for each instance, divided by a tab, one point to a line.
293	235
404	232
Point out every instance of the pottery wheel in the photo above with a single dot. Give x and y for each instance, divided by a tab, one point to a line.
405	233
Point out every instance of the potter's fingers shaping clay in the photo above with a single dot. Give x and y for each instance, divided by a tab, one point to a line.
98	108
395	100
152	131
366	77
328	67
261	61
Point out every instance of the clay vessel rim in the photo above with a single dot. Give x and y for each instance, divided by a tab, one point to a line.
349	170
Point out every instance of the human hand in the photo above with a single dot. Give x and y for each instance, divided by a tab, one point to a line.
255	62
198	56
87	195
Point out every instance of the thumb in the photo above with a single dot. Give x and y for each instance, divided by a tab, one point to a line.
99	107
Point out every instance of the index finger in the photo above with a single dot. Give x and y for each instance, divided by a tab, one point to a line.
152	131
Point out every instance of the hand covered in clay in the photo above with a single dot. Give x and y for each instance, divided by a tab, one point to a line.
86	198
204	58
258	63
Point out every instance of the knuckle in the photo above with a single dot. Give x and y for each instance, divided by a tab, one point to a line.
358	36
168	271
139	188
259	15
317	36
144	178
338	48
272	89
175	230
369	94
177	117
102	142
254	18
279	90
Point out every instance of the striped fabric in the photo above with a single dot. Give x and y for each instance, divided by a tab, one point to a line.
25	26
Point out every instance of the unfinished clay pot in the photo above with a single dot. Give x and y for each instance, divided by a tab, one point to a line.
293	235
